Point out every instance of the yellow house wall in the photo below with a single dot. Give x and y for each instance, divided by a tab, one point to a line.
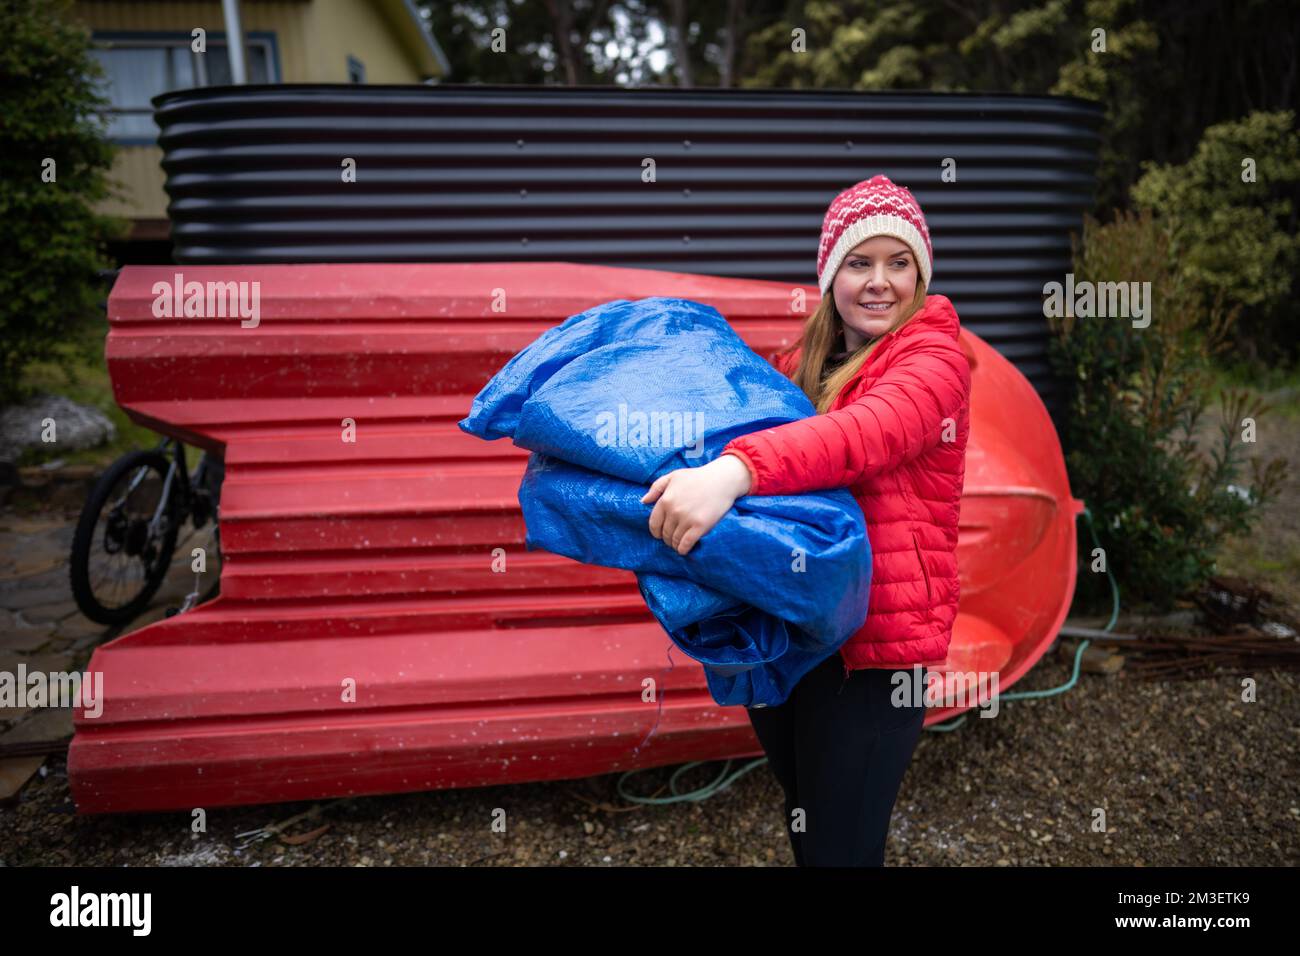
313	40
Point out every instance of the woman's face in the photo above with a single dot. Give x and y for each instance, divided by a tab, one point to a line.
874	284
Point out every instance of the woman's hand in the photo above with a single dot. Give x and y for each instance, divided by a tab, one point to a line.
690	501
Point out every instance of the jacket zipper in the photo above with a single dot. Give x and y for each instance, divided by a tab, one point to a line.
848	385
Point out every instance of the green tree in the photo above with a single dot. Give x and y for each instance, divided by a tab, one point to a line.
54	161
1163	70
1231	211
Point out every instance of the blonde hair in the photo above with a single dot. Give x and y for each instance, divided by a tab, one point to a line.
821	333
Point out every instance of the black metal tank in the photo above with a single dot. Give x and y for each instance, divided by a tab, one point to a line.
725	182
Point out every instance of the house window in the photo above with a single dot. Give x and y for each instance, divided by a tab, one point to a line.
137	70
356	70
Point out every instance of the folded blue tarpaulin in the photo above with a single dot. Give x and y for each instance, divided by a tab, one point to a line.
627	391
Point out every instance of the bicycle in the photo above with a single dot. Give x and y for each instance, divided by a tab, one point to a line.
131	519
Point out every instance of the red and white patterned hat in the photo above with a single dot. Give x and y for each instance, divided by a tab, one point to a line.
873	207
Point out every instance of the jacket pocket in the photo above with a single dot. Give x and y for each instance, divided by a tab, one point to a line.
929	593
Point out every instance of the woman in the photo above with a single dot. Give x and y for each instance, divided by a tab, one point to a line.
880	361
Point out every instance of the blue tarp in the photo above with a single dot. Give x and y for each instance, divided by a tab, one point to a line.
629	390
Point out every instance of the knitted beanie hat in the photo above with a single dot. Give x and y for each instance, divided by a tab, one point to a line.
873	207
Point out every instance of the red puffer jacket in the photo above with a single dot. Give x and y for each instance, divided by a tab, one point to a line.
896	437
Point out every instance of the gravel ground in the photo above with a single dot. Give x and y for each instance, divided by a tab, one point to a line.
1186	773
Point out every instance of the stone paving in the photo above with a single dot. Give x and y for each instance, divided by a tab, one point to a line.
42	628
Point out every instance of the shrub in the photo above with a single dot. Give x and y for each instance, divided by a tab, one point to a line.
1160	506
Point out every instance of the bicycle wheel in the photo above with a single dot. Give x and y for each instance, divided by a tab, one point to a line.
124	540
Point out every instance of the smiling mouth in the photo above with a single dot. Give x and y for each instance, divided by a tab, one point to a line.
877	306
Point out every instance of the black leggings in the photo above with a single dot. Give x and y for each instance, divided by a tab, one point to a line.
839	749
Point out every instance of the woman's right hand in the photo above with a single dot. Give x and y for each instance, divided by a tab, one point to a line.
688	502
